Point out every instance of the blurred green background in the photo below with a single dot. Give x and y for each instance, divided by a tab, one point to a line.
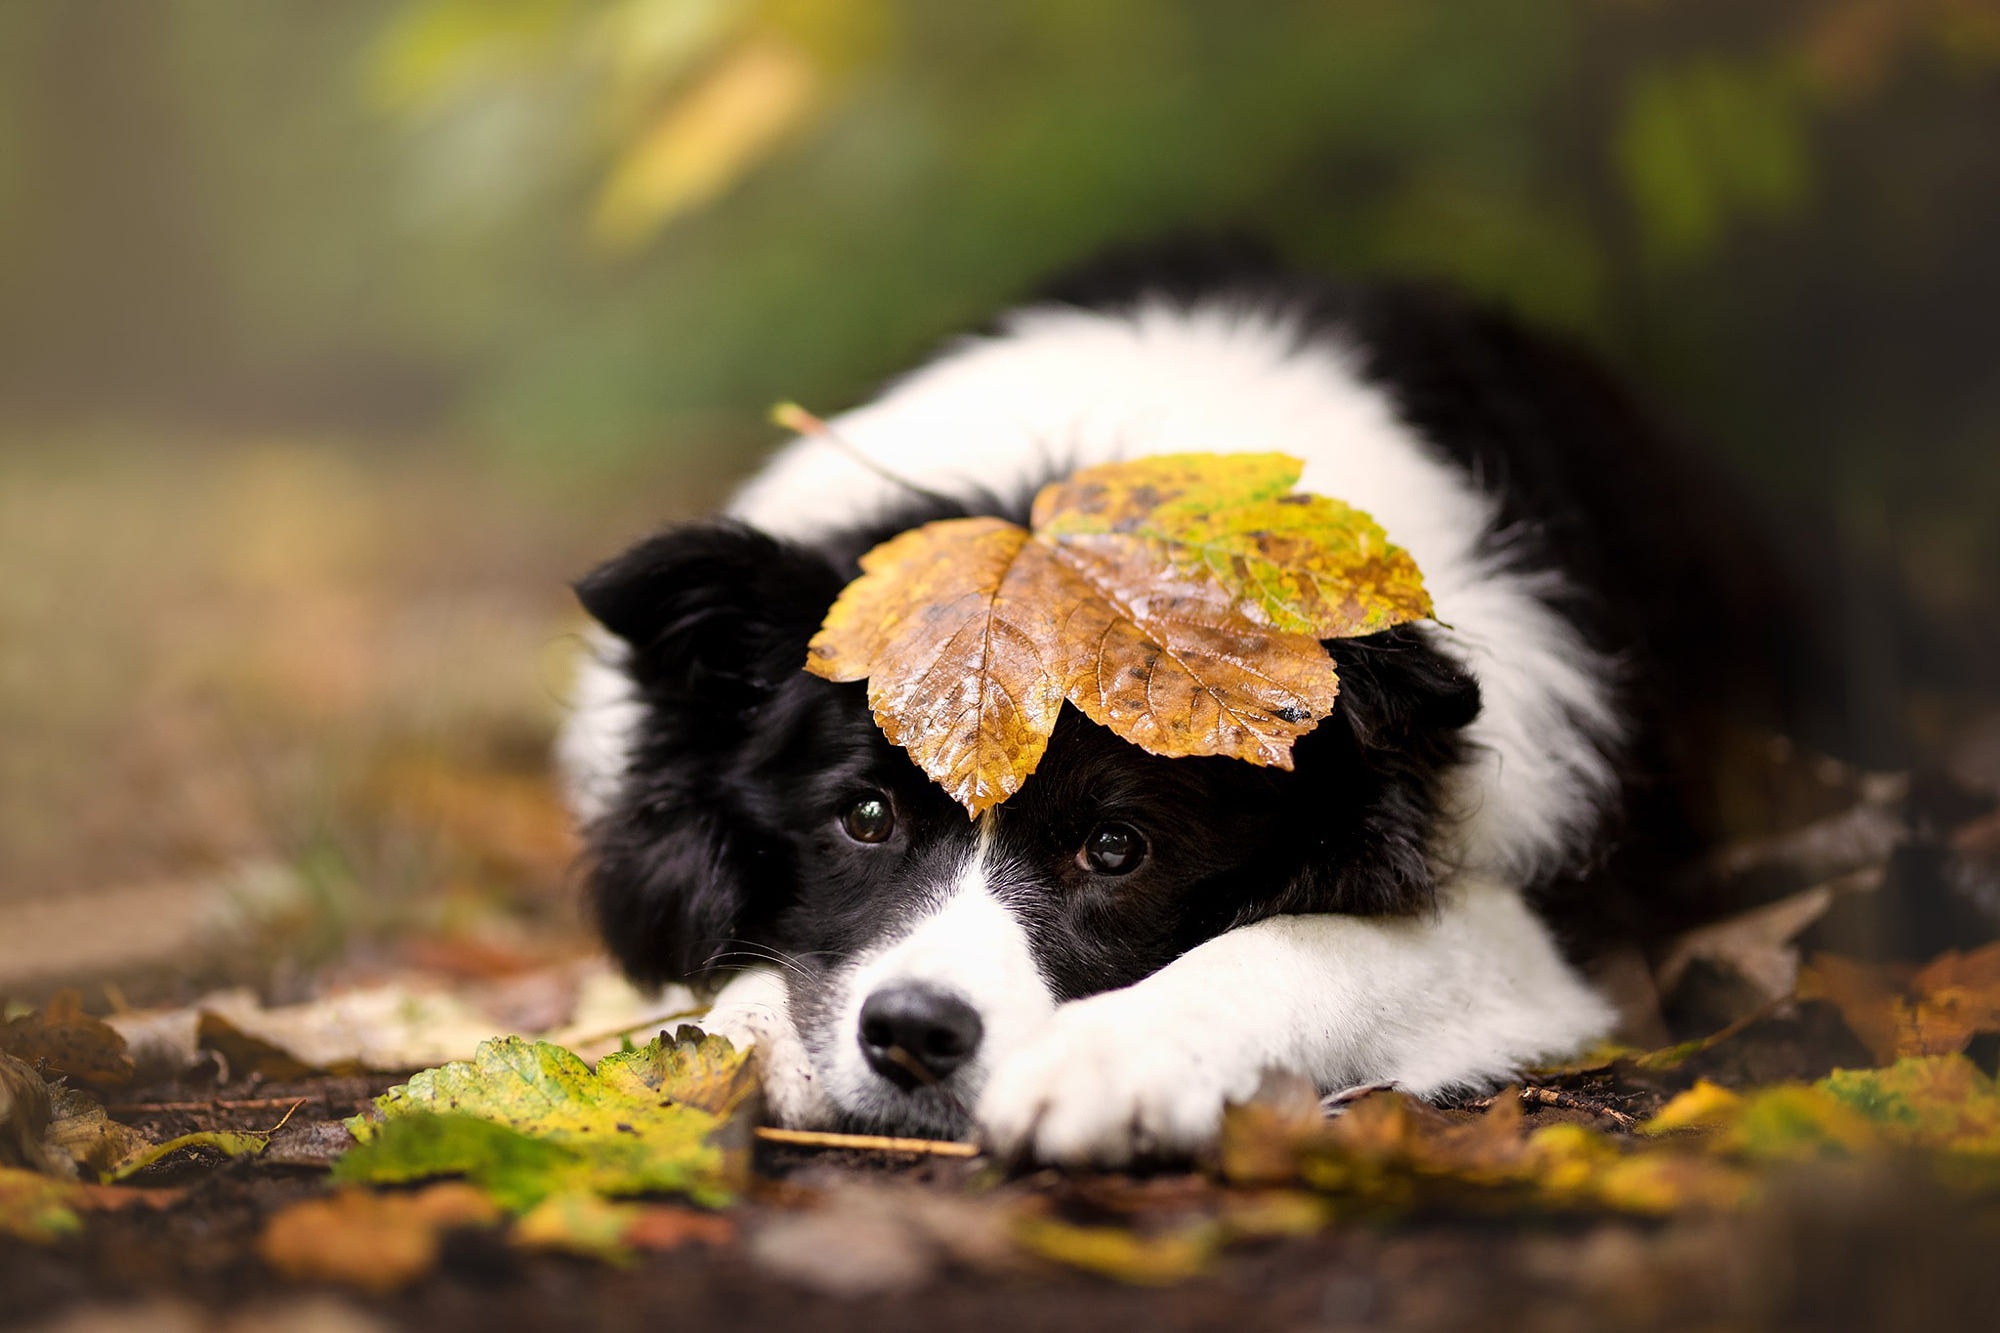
335	337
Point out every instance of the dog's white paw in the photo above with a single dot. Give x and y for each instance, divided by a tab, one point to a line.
1107	1082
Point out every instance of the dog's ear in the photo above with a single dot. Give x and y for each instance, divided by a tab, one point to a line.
1375	777
716	618
717	614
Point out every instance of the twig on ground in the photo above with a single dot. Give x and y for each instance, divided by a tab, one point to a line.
810	1138
220	1104
1558	1097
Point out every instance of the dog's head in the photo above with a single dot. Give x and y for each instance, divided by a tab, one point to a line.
761	817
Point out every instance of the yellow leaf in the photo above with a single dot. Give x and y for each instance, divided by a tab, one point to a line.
377	1242
1179	601
1114	1252
1704	1106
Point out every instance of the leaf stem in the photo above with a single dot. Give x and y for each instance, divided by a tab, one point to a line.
794	418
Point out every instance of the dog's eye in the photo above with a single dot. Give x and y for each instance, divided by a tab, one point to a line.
1112	849
869	819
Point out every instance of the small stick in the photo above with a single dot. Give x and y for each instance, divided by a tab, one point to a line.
796	419
1568	1101
809	1138
267	1133
237	1104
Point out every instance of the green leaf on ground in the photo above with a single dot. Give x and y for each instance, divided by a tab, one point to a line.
528	1120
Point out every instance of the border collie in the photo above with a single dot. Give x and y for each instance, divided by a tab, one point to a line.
1092	970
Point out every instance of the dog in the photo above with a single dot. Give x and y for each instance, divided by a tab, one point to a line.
1092	971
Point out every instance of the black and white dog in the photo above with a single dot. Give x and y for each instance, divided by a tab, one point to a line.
1094	968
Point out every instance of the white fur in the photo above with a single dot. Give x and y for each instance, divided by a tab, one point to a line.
1460	1000
970	944
594	747
1062	388
754	1010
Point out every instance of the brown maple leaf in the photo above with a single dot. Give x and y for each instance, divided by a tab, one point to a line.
1179	600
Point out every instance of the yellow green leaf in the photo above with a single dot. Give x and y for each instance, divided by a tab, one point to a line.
1180	601
1115	1252
378	1242
36	1207
205	1146
528	1120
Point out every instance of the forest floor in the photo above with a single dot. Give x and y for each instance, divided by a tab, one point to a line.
276	804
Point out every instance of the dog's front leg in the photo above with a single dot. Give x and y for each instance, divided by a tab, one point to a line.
1461	999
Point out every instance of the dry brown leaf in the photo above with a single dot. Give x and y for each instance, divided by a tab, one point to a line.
377	1242
1936	1010
1179	600
65	1040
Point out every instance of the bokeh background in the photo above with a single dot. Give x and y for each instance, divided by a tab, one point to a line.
334	338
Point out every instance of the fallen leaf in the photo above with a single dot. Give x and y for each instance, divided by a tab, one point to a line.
1939	1104
1391	1152
591	1225
372	1028
377	1242
1142	1259
56	1129
691	1068
26	1110
661	1226
315	1143
63	1039
37	1207
1942	1103
1936	1010
527	1120
578	1222
205	1148
1755	945
1179	600
387	1028
82	1131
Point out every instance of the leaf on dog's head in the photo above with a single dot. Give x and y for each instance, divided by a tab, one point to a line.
1179	600
1300	563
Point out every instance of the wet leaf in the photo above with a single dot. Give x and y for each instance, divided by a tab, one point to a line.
528	1120
1179	601
378	1242
1300	563
63	1039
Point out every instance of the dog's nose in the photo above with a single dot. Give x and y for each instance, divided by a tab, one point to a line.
915	1025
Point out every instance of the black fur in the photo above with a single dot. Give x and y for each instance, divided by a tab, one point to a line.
723	842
